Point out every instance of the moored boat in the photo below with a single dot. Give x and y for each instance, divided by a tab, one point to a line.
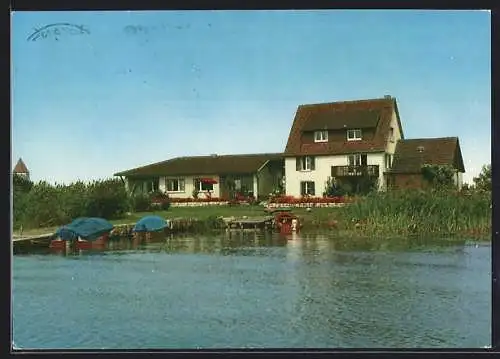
150	224
85	232
147	226
286	222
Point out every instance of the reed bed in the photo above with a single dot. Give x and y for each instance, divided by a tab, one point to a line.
421	212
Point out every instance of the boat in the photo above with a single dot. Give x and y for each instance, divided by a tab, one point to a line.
286	222
86	232
147	226
150	224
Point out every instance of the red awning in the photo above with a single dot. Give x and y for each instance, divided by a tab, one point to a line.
208	180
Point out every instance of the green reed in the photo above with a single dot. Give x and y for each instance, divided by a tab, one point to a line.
421	212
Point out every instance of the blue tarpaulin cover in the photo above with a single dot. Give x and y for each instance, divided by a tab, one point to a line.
88	228
150	224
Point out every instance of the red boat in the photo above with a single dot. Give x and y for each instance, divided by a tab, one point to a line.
286	222
57	243
84	232
98	243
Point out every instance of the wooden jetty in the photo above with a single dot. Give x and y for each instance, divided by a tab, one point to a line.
40	240
254	223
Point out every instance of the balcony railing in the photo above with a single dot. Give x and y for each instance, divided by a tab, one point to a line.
347	171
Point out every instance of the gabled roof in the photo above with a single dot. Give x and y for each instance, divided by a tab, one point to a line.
20	167
204	165
411	154
371	113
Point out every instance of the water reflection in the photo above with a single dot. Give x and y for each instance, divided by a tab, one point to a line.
310	245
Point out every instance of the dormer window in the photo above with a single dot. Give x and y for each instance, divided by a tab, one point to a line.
321	136
353	135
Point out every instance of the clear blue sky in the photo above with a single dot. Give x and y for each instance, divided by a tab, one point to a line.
199	82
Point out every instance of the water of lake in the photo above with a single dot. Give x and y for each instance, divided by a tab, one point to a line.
255	290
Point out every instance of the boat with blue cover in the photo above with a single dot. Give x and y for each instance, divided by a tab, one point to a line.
150	224
85	231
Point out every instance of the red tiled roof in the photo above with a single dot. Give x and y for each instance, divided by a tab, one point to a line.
434	151
373	113
204	165
20	167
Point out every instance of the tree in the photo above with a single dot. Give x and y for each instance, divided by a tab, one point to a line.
440	176
332	188
483	181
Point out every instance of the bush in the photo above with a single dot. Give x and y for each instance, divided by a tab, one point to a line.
439	176
333	189
107	199
161	200
195	193
44	205
141	203
21	188
75	200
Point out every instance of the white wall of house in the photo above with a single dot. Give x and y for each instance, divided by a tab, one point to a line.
391	142
189	186
323	170
378	159
255	188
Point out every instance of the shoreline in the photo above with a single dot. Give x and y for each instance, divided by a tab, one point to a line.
309	221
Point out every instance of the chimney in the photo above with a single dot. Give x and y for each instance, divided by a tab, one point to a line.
388	97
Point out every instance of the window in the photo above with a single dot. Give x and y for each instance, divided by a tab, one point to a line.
354	160
175	185
321	136
206	186
391	134
203	186
307	188
152	186
388	160
353	135
357	160
305	163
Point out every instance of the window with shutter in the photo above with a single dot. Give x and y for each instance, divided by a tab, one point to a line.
305	163
307	188
302	188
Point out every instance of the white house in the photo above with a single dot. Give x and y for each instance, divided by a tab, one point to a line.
345	141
